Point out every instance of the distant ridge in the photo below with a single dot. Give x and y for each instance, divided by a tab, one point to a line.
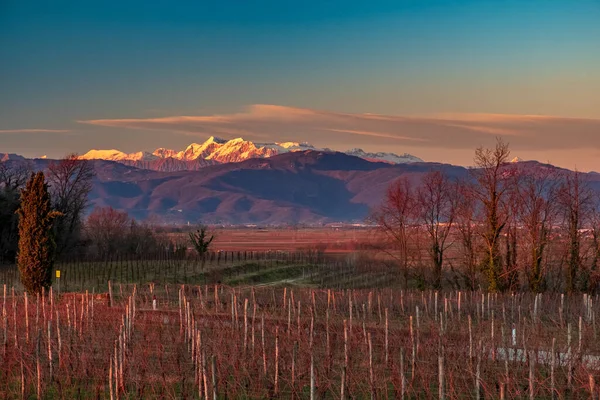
310	186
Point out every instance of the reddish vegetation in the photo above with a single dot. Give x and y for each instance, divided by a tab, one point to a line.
327	239
263	342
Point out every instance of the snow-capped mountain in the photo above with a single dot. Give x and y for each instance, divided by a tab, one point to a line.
385	157
116	155
216	151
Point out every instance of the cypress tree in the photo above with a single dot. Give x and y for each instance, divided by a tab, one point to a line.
36	244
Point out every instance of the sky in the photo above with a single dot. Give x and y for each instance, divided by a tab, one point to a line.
432	78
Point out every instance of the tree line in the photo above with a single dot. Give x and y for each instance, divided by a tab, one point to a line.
68	183
42	219
105	232
508	225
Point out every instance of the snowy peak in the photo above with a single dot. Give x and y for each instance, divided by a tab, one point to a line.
116	155
516	160
113	155
164	153
217	150
217	140
289	146
385	157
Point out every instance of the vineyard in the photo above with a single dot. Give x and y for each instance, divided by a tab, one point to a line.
231	268
216	341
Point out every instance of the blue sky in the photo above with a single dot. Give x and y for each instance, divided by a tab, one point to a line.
70	61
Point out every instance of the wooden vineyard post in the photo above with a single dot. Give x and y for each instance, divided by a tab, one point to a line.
214	377
14	304
50	347
204	375
478	374
531	375
343	384
312	376
560	309
276	378
264	354
253	320
459	298
345	345
327	339
441	383
110	296
569	358
38	364
386	338
289	321
294	355
402	376
245	325
350	309
371	374
26	318
22	380
59	341
552	366
414	350
110	380
470	340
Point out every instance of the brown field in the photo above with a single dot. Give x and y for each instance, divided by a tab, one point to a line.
282	239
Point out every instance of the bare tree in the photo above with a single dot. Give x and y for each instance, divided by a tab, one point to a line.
594	220
13	177
492	183
436	206
535	210
466	224
141	239
107	228
14	174
394	218
70	182
575	199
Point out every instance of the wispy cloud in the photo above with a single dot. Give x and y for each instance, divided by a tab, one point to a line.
376	134
34	131
453	131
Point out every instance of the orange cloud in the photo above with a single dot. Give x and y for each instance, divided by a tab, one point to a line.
453	131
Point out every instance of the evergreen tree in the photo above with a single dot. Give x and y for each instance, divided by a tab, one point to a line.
36	244
200	241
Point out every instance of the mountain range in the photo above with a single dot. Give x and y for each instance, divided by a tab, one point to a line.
294	187
218	151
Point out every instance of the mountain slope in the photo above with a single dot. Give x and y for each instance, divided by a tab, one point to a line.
294	187
308	187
